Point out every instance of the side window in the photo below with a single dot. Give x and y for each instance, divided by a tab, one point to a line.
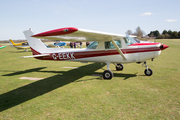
93	45
109	45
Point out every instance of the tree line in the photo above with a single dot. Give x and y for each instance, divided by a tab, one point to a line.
138	32
164	35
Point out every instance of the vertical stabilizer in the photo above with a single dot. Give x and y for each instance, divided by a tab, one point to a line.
36	44
11	42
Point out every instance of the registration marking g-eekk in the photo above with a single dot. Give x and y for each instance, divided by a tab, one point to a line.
63	56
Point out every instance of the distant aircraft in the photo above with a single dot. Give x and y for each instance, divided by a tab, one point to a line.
23	45
57	44
2	47
106	48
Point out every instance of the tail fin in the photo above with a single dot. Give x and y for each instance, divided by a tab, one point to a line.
11	42
37	46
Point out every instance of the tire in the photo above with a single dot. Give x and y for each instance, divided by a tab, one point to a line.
119	67
148	72
107	74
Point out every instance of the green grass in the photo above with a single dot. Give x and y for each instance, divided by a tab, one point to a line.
75	94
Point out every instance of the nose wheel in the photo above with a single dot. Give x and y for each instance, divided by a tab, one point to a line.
147	71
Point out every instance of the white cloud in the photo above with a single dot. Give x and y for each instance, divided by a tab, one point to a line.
146	14
171	20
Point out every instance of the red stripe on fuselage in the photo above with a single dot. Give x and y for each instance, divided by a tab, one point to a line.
144	44
87	54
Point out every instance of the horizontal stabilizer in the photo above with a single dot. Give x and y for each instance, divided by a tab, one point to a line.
43	55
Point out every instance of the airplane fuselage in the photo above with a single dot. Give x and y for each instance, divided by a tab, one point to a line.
134	53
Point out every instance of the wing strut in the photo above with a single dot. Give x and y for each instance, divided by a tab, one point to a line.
119	50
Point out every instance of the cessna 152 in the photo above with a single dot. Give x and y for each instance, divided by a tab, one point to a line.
106	48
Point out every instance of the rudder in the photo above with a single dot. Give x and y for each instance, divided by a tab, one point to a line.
11	42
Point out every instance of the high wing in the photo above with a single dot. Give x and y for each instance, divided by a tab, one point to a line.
75	34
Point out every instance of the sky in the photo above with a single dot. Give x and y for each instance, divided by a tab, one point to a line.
114	16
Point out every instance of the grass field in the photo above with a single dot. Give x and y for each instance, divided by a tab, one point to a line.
74	94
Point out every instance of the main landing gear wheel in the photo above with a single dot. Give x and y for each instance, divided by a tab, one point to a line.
148	72
107	74
119	67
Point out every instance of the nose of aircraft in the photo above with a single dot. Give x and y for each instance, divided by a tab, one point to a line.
164	46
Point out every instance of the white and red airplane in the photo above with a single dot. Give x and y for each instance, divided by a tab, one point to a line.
106	48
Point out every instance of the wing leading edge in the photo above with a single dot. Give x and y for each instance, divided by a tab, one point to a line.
75	34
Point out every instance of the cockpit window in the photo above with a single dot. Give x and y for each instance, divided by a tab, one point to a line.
93	45
128	40
109	44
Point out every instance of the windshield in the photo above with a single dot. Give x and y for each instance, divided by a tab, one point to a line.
128	40
137	40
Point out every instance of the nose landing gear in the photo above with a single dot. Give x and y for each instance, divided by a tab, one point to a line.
147	71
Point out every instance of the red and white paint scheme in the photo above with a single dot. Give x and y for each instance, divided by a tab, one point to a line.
106	48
